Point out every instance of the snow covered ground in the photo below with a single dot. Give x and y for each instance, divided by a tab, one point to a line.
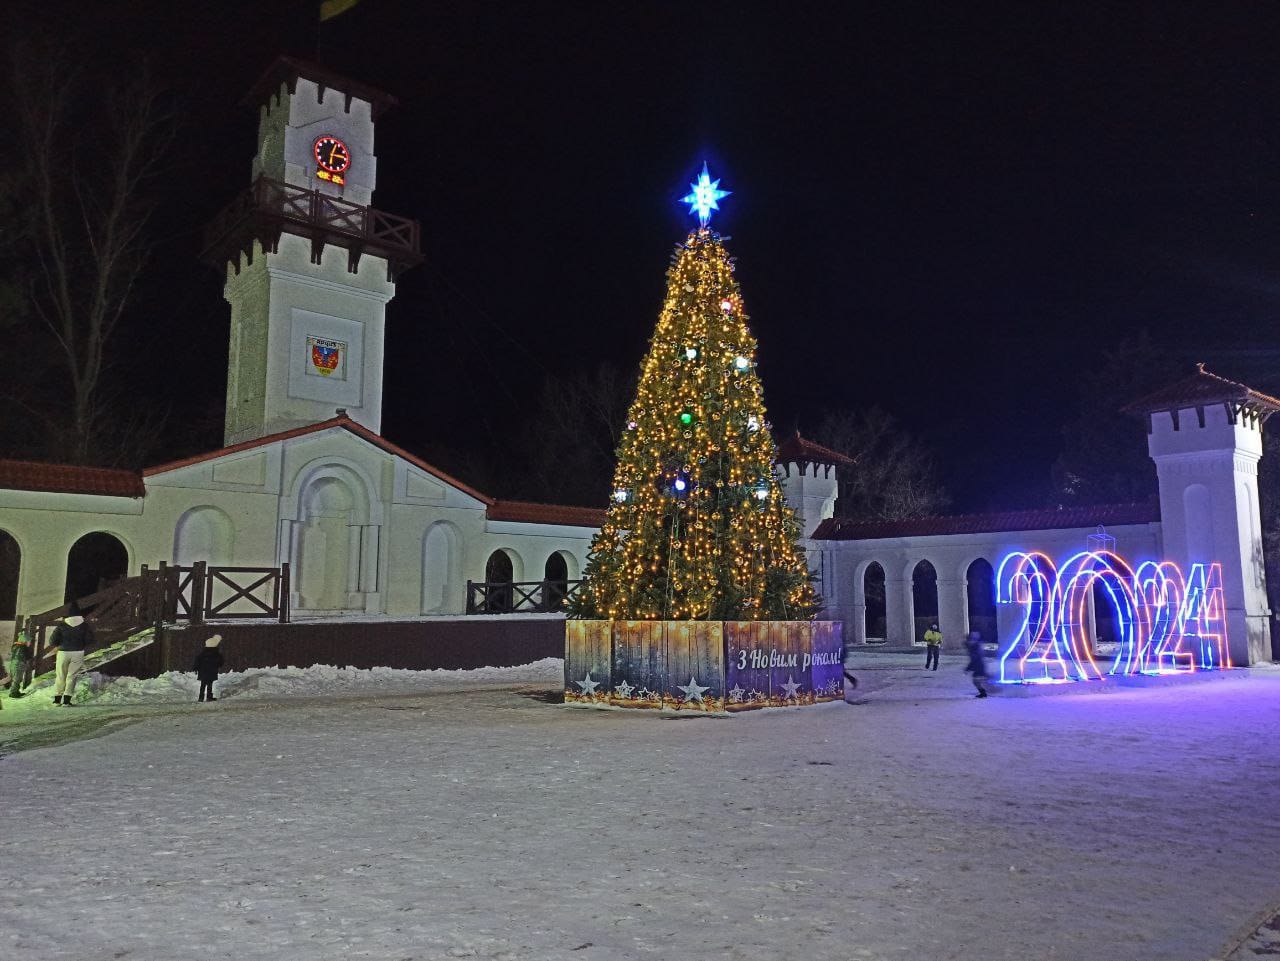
418	816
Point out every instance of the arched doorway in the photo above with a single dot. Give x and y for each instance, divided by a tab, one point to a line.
873	597
1107	613
981	592
93	562
498	574
324	551
10	567
440	567
555	582
924	600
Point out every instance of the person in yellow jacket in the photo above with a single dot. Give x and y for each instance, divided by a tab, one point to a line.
932	645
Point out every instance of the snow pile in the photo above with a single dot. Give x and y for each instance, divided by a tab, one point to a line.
320	680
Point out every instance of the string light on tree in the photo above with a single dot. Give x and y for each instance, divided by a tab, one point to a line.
703	531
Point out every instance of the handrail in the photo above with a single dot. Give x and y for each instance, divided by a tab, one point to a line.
510	597
164	595
289	205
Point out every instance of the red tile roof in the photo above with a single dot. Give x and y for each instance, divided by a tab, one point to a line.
532	513
343	421
1203	389
843	529
796	450
25	475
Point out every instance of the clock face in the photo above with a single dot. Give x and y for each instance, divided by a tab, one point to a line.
332	155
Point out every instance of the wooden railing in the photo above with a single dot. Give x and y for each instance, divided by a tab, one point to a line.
510	597
115	612
271	207
166	595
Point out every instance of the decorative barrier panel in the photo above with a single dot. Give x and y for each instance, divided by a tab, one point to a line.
639	663
587	659
703	666
828	661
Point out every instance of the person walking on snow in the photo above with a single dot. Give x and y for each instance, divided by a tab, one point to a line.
977	666
70	638
208	663
932	645
19	664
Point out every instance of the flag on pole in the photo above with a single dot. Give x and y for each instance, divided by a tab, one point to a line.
332	8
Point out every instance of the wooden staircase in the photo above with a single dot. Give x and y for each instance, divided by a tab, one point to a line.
133	612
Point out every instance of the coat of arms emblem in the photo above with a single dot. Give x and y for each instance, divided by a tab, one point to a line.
326	355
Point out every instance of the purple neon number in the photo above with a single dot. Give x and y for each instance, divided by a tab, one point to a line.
1204	621
1160	588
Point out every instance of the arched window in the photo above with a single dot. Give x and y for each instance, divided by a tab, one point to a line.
1106	617
498	575
873	596
10	564
93	562
980	586
440	567
203	534
555	582
924	599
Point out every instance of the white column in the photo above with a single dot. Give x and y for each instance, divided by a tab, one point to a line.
899	617
285	543
952	622
1008	621
369	568
287	553
353	558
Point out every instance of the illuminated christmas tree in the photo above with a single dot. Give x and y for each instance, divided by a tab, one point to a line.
698	527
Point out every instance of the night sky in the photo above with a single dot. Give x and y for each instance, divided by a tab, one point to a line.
942	212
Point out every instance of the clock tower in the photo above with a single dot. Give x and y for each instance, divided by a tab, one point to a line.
310	263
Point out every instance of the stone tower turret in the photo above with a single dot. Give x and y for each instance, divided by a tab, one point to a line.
1205	435
310	265
807	473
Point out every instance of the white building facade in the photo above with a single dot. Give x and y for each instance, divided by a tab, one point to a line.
305	478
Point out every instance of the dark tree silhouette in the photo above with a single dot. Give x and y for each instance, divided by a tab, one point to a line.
1104	456
896	474
78	201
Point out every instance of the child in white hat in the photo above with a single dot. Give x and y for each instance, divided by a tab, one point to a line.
208	663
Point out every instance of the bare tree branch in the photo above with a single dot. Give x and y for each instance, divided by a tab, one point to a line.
86	176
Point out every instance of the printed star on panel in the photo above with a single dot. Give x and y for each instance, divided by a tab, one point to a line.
692	690
588	686
704	196
735	694
790	687
624	689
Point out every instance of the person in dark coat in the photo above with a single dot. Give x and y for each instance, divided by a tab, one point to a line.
977	666
208	663
70	639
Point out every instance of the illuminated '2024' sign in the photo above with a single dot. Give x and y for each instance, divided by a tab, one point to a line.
1166	622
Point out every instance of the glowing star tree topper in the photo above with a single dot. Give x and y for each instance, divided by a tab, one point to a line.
704	196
